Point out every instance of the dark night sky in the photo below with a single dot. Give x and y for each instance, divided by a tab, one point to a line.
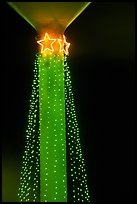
102	68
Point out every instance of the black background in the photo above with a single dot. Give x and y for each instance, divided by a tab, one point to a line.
102	69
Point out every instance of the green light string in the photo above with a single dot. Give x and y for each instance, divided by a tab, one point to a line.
53	183
77	176
29	180
47	161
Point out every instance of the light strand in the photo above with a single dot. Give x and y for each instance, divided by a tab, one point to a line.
29	179
76	166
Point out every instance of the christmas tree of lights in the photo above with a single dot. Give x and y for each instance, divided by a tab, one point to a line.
53	156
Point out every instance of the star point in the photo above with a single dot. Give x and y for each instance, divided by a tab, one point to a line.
61	49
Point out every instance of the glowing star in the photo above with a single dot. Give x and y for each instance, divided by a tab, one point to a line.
46	43
63	44
66	44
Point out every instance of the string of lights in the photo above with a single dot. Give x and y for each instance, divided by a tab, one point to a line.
76	165
29	180
52	129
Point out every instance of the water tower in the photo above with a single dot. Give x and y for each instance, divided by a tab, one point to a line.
52	122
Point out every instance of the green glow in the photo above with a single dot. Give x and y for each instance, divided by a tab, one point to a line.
52	129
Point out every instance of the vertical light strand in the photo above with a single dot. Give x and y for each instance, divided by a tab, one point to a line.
77	175
29	179
53	181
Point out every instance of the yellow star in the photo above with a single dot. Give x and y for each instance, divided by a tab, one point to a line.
46	43
66	44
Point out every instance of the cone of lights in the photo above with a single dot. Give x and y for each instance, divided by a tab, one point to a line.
53	167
